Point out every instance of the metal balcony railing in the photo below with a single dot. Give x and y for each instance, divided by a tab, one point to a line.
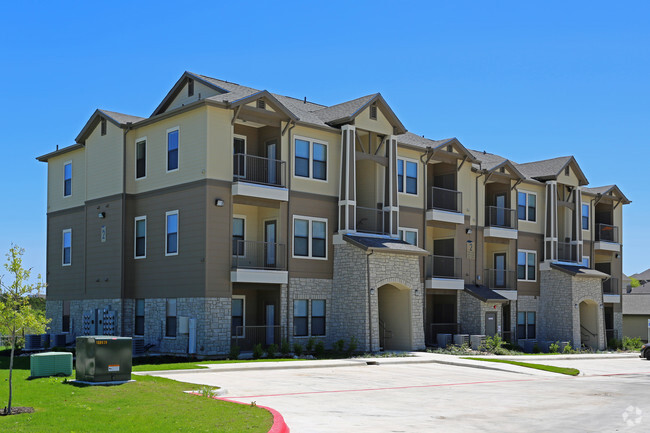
606	233
258	255
371	220
500	279
446	199
611	286
567	252
445	267
247	337
257	169
500	217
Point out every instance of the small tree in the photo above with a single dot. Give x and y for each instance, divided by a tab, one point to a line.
16	312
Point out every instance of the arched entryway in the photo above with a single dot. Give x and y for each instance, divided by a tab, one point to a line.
589	329
394	305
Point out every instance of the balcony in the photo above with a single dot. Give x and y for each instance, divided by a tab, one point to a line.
500	222
611	291
500	279
606	238
373	221
258	262
445	205
445	272
247	337
568	252
259	177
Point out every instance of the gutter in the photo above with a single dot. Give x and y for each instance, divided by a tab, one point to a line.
122	258
476	280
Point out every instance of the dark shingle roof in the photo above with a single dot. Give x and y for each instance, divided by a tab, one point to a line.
544	169
484	293
343	110
121	118
415	140
384	243
579	271
488	160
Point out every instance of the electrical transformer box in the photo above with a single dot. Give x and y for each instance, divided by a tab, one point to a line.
102	358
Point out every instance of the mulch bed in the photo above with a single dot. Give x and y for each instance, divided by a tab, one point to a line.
16	411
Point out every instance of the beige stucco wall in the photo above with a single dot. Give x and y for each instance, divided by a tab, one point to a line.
540	190
182	98
104	162
466	181
381	125
413	200
55	199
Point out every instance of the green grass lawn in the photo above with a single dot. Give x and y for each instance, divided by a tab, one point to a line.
552	369
149	404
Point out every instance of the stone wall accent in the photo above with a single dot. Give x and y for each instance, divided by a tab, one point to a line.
525	304
310	288
472	314
54	313
618	320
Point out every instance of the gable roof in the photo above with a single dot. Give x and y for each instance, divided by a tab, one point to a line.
383	243
550	169
118	119
490	162
608	190
57	152
347	111
414	140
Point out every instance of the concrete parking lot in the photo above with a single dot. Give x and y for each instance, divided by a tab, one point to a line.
609	395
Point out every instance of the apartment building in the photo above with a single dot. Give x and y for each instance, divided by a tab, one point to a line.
236	216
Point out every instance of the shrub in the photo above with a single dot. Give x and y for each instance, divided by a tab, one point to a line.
284	347
352	345
272	350
310	344
614	344
536	348
297	349
554	347
495	345
338	346
319	349
234	352
258	352
632	343
567	348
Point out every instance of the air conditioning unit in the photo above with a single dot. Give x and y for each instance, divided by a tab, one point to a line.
460	339
60	340
476	341
45	341
138	346
33	342
444	340
50	364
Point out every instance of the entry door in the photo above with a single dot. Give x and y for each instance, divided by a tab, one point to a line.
491	323
270	322
500	270
270	244
500	203
271	154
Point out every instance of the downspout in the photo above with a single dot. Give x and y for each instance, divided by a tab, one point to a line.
122	273
369	299
429	154
476	280
288	220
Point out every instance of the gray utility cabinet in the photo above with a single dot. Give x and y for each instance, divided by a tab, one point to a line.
100	321
103	358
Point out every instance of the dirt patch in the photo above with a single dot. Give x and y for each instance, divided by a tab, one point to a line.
16	410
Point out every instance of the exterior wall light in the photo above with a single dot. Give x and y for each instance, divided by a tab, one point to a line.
101	215
218	202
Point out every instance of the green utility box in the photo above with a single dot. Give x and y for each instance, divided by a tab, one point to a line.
50	364
103	358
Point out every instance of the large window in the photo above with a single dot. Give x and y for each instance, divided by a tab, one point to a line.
238	236
66	253
407	176
310	237
310	159
141	158
300	324
172	149
65	322
170	318
526	265
408	235
171	237
67	179
526	325
318	317
585	216
140	237
237	320
527	206
302	316
139	317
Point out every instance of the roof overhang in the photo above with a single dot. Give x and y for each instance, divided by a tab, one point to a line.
484	294
384	244
265	94
47	156
177	88
613	193
398	127
463	153
509	170
91	124
579	271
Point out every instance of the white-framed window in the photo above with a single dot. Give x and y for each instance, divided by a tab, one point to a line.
585	261
309	237
170	318
173	145
238	316
526	206
67	179
238	235
171	233
139	317
585	216
141	158
408	235
407	176
527	265
310	158
66	247
140	238
526	325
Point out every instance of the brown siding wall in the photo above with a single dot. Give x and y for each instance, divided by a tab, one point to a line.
218	245
535	242
65	282
414	218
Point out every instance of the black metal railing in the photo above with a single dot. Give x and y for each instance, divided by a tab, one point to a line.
440	328
500	279
446	199
258	255
611	287
500	217
247	337
606	233
445	267
257	169
567	252
371	220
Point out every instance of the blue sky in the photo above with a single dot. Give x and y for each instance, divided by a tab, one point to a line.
522	79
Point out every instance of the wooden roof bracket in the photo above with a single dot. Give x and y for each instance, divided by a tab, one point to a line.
461	164
234	117
516	184
383	140
488	177
292	122
620	200
356	134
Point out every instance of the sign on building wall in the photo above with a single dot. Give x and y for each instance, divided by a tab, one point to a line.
103	234
471	254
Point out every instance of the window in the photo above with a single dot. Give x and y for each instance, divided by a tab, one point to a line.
585	261
238	236
310	237
408	183
66	258
526	265
318	317
527	206
373	111
65	323
172	149
408	235
67	179
140	237
310	159
103	126
190	87
585	216
300	318
141	159
526	325
170	318
139	317
171	239
237	316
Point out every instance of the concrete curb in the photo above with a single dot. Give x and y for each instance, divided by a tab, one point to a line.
578	357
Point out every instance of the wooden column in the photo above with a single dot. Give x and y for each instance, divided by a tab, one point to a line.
577	233
391	199
347	189
550	231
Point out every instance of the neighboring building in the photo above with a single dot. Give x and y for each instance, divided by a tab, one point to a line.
636	310
235	216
